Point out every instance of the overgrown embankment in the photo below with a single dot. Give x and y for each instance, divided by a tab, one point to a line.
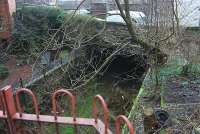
32	28
176	93
101	60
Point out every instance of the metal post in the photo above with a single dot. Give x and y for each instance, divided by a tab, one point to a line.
119	120
10	108
21	82
72	103
105	111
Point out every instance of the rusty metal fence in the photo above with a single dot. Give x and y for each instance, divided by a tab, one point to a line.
11	111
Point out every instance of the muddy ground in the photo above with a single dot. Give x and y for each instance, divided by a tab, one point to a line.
182	90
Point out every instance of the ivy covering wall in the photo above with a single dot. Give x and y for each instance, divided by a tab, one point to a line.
33	27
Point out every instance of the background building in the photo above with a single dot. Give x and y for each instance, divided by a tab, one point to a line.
35	2
73	4
7	7
163	9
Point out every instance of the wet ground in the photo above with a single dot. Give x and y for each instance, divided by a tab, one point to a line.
182	90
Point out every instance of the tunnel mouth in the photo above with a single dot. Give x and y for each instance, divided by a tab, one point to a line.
126	69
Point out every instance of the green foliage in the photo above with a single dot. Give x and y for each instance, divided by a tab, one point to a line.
81	29
32	28
191	69
35	26
3	71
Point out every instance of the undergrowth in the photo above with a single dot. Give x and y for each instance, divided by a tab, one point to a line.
3	71
38	27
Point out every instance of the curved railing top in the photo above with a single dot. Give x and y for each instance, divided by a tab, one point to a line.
9	112
34	101
72	102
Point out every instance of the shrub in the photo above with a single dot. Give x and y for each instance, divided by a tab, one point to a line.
35	25
32	28
193	69
3	71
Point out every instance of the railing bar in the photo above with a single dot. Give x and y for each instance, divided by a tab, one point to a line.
10	115
2	103
57	127
9	120
50	119
2	115
75	129
105	111
33	98
100	127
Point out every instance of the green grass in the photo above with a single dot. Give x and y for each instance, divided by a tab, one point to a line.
64	54
63	129
3	71
173	67
84	109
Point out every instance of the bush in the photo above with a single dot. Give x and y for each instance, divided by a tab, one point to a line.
35	25
32	28
193	69
3	71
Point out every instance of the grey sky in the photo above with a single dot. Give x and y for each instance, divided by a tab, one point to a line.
189	12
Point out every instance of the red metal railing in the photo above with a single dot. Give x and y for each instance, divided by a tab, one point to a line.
9	113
